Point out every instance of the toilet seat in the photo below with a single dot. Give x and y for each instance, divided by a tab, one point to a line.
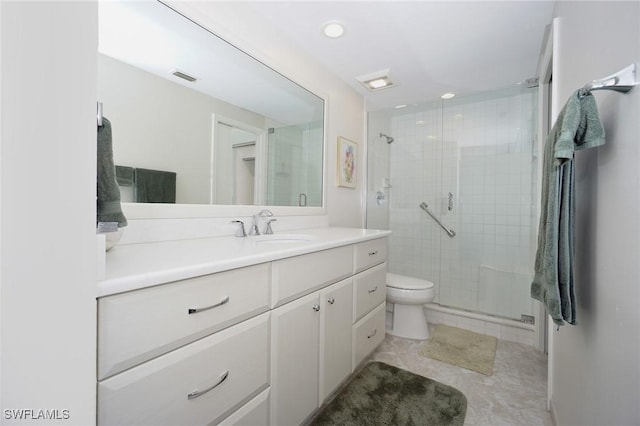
402	282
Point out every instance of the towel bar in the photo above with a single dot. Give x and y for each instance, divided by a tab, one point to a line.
622	81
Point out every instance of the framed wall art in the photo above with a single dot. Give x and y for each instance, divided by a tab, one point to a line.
347	162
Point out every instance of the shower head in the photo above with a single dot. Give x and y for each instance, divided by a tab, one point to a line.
389	138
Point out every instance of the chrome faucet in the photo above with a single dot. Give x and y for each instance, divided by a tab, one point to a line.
256	219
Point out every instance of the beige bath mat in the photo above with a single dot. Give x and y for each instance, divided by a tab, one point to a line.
463	348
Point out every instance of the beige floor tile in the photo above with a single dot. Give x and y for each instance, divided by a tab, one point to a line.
514	395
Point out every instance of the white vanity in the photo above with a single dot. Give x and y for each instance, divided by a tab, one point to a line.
255	330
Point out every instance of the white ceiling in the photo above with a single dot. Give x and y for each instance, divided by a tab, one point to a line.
430	47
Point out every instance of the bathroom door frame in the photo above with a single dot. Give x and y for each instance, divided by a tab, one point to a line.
260	161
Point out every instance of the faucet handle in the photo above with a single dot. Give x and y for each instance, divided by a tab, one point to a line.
241	232
268	230
254	227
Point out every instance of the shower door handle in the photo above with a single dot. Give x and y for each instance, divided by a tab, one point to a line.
449	231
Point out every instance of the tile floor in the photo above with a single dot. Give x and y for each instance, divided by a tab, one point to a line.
514	395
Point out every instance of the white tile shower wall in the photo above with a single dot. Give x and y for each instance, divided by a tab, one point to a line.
480	151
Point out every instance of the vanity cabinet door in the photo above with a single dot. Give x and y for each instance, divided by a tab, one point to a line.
335	335
295	332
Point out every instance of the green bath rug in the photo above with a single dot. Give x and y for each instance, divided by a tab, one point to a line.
381	394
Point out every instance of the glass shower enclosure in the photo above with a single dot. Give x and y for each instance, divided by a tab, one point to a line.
294	164
471	160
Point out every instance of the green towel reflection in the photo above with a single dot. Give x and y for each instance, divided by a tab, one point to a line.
155	186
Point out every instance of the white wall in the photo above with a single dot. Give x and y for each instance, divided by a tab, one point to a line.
596	376
47	196
236	23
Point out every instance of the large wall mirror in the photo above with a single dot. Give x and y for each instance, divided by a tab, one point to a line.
190	111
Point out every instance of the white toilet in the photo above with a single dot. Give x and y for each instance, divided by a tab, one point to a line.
409	295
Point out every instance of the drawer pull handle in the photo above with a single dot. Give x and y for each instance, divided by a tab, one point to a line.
373	290
373	253
220	303
331	301
195	394
316	308
375	330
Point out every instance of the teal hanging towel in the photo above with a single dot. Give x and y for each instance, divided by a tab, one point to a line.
578	127
108	206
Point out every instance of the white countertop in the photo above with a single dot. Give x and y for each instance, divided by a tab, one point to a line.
135	266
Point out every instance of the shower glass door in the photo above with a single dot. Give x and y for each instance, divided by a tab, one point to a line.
488	195
470	159
294	157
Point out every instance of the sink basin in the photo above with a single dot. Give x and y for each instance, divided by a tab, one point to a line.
282	239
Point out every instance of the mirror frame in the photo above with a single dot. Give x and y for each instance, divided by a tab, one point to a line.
182	211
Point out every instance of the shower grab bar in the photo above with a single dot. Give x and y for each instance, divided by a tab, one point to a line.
449	231
622	81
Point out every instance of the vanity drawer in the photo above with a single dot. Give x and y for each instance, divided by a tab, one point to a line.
300	275
369	290
140	325
164	391
368	333
369	253
253	413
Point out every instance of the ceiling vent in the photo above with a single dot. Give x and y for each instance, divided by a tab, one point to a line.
377	80
184	76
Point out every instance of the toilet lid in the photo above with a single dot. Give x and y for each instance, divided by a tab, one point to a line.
408	283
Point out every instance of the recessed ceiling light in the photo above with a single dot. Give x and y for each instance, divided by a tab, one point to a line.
378	83
448	95
333	29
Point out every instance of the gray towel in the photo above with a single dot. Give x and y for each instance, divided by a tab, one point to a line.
155	186
108	197
124	175
577	127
